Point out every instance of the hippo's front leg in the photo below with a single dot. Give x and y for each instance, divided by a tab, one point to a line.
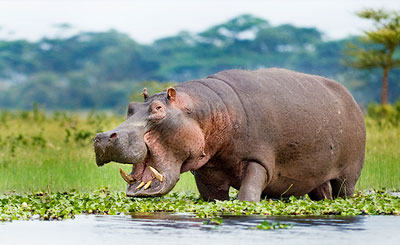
254	182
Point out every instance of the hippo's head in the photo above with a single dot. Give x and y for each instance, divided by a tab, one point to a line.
159	139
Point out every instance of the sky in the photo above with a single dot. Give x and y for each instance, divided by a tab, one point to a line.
148	20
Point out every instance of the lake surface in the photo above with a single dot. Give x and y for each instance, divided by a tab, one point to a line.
186	229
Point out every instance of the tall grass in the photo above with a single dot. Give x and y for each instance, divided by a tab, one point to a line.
382	159
54	153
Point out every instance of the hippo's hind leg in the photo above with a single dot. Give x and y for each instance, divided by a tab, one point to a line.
340	187
212	184
343	187
323	191
254	182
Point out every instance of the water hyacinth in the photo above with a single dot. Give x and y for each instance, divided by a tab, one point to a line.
266	225
65	205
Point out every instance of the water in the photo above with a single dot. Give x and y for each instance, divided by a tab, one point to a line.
186	229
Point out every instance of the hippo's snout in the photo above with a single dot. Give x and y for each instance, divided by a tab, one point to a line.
104	138
103	145
119	146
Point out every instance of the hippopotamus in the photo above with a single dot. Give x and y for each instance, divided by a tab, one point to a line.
267	133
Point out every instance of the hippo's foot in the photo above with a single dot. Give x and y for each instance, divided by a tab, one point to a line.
254	183
340	187
323	191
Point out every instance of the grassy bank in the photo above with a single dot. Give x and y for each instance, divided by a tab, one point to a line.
54	153
382	159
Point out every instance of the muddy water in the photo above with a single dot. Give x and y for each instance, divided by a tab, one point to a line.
186	229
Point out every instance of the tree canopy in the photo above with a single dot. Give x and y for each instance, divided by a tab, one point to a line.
378	46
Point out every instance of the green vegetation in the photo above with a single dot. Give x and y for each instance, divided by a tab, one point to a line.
102	69
55	152
266	225
214	221
386	115
379	46
62	205
382	161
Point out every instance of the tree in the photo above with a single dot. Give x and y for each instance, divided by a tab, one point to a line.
378	46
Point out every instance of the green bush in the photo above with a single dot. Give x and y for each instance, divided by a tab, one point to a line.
385	114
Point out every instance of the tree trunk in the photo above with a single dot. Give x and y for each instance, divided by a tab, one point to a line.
386	69
384	85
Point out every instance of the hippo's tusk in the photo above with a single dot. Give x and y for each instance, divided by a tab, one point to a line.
147	185
126	176
156	174
140	185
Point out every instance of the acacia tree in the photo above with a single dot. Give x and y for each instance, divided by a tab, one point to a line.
378	45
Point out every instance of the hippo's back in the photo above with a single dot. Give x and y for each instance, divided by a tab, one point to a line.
290	102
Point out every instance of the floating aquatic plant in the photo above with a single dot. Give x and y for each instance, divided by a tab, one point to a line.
64	205
266	225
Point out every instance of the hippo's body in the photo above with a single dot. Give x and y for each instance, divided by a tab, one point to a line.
270	132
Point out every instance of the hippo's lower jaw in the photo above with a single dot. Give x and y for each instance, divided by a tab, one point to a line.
159	184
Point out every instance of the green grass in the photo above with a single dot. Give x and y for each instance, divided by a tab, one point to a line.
42	152
54	153
382	159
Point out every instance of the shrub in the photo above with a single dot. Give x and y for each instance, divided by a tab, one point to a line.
385	114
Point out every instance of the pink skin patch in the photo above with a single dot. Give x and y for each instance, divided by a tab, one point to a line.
141	172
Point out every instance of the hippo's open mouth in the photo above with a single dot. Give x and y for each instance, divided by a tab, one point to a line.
145	180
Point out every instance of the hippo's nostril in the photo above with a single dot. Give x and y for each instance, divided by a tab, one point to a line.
113	135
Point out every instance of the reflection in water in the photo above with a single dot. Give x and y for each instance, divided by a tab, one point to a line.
164	228
333	222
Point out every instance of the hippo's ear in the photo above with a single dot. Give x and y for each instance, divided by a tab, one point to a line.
145	94
171	94
131	109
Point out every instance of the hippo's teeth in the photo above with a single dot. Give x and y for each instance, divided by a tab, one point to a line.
147	185
156	174
126	176
140	185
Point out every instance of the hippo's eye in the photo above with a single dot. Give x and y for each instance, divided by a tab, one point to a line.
157	111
